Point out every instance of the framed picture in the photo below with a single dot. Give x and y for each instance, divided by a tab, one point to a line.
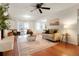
55	23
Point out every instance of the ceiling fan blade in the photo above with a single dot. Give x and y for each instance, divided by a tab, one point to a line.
45	8
40	10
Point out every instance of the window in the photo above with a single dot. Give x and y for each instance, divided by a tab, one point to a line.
40	26
22	27
26	25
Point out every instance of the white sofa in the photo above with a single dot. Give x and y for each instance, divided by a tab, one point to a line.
47	36
7	44
55	37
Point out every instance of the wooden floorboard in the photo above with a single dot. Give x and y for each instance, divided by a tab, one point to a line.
61	49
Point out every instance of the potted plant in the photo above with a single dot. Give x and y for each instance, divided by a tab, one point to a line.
3	18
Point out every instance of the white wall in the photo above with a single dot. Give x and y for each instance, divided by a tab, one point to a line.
78	21
69	18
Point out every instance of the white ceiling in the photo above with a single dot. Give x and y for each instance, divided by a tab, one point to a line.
18	10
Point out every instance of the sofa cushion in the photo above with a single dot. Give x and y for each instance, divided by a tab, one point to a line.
57	36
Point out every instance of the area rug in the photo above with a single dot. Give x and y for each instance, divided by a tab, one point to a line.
26	48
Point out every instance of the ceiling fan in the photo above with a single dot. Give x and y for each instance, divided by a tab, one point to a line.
39	7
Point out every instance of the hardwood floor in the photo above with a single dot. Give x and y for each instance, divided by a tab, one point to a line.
61	49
